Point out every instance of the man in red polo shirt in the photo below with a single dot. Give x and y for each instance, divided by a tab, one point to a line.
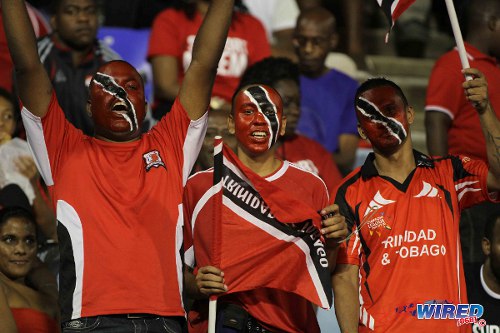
404	210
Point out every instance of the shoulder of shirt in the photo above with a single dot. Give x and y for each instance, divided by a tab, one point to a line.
309	173
309	141
45	45
336	74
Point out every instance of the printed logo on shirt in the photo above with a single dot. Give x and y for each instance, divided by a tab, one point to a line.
60	77
234	59
428	191
377	223
463	313
153	159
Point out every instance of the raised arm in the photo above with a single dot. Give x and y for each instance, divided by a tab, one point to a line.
34	86
197	85
476	91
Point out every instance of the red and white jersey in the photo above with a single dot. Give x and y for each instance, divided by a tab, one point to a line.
276	310
119	208
311	156
407	244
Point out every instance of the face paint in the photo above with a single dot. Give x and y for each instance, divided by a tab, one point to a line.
117	102
110	86
257	118
382	116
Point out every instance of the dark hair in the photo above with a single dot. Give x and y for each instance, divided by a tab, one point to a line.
491	222
56	4
269	71
15	211
12	100
189	7
379	82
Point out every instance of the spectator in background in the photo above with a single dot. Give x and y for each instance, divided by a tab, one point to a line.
171	45
483	280
217	126
18	167
327	94
283	75
28	300
41	28
72	54
452	123
279	18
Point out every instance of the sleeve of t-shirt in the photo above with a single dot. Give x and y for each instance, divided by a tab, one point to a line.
348	250
181	136
165	36
348	118
444	91
258	45
470	178
50	138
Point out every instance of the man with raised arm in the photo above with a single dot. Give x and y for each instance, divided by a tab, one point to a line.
118	195
404	211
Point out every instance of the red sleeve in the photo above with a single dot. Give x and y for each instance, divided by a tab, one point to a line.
188	207
470	178
51	138
349	250
444	92
258	45
165	38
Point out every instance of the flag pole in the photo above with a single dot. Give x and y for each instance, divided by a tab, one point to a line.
458	35
217	187
212	314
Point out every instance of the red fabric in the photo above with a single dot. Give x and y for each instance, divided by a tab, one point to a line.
33	321
252	258
173	35
111	197
40	27
408	245
312	157
445	94
393	12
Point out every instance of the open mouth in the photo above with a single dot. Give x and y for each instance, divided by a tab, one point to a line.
120	107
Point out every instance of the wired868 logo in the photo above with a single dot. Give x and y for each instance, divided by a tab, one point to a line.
463	313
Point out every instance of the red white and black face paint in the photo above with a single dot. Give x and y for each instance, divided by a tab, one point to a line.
382	116
117	102
257	118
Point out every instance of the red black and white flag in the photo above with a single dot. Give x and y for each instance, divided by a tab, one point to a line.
264	236
393	9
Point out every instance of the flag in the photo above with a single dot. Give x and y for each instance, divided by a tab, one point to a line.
392	10
263	236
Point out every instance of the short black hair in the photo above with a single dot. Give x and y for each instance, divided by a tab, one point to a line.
380	82
269	71
56	4
491	222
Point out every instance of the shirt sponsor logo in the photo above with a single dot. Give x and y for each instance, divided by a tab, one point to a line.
463	313
153	159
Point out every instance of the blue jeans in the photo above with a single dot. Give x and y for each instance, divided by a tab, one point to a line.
125	324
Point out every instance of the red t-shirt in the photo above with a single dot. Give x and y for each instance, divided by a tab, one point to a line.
173	34
311	156
408	244
276	310
119	210
445	94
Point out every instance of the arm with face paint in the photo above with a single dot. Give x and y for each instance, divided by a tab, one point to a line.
197	85
476	92
35	88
